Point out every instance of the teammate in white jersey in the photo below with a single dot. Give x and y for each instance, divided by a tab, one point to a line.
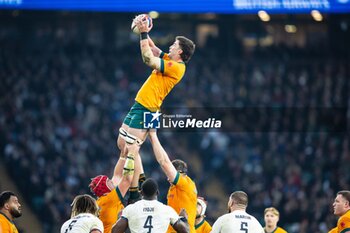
84	216
149	215
237	220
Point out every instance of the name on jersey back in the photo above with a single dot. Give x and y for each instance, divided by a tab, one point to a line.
242	216
148	209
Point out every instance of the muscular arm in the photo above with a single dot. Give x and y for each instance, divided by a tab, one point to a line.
127	177
145	44
134	194
148	56
118	170
181	227
162	157
120	226
138	170
155	50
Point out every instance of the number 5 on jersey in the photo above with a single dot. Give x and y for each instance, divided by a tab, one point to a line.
244	227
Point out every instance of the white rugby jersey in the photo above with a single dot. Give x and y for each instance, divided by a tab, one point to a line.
237	222
147	216
82	223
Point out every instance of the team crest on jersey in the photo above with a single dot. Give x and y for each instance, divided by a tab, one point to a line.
342	224
170	64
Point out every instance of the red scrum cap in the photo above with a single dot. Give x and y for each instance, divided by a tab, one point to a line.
98	185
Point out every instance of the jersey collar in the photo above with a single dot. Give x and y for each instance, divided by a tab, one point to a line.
6	217
199	224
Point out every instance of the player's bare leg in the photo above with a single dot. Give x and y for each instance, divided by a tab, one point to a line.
121	141
134	140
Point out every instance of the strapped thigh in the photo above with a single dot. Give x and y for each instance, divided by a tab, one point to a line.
129	138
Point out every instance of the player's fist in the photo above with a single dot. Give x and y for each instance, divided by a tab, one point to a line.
142	23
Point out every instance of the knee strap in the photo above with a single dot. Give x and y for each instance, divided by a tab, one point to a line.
129	138
122	133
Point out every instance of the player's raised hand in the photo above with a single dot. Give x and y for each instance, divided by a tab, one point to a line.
138	17
150	23
144	23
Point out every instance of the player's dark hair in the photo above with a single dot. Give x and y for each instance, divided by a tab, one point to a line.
149	188
187	46
5	197
240	198
345	194
84	204
180	166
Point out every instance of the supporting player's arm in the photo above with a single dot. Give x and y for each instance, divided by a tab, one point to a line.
182	226
120	226
138	171
131	163
146	52
162	157
134	188
118	170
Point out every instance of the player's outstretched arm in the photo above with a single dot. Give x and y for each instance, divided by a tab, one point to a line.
155	50
146	51
128	173
134	194
182	226
138	171
120	226
118	169
162	157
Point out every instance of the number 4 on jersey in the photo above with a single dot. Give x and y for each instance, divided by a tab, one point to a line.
148	224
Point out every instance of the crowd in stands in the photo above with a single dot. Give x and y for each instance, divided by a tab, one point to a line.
62	101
